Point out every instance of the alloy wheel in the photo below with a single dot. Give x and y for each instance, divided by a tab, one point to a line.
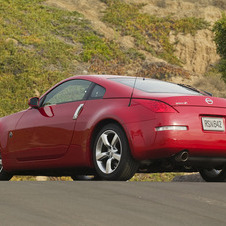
108	151
1	163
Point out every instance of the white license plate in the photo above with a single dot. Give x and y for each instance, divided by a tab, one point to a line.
213	124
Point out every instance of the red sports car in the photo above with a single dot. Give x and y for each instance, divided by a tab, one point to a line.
112	127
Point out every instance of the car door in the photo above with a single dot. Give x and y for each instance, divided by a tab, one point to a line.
46	132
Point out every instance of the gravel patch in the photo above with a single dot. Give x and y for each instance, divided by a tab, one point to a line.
191	177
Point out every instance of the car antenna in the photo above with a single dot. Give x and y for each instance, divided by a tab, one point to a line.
132	91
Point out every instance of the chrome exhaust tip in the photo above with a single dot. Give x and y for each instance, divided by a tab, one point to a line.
182	157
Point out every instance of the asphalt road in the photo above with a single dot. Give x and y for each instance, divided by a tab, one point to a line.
112	203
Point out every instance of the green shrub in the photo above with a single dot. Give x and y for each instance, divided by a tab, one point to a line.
220	34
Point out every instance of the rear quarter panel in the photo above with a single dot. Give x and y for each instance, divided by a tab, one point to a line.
135	120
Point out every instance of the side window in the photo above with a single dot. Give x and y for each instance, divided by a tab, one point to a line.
73	90
97	92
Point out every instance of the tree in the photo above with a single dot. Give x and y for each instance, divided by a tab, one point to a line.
220	39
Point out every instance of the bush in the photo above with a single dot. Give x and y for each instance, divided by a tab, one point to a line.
220	34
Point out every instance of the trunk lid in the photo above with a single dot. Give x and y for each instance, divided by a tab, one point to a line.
175	99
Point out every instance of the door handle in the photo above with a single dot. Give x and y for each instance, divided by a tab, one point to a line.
78	110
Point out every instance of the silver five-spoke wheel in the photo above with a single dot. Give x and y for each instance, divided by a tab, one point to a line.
111	154
1	163
3	174
108	151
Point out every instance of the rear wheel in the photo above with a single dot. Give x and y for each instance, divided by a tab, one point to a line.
3	174
214	175
111	154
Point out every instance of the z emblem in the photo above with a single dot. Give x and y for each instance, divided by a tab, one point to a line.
209	101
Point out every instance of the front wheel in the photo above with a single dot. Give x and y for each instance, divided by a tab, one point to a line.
85	177
4	176
213	175
111	154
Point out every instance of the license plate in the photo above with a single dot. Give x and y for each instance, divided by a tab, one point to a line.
213	124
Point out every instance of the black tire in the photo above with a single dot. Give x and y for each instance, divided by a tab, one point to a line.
111	154
4	176
85	177
213	175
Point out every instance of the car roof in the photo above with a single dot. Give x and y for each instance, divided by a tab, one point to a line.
113	89
94	77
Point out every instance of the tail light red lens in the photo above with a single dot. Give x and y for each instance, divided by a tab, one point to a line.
155	106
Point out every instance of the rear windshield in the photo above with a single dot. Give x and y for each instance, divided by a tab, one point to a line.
155	86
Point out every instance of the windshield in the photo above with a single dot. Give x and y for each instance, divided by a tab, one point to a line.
156	86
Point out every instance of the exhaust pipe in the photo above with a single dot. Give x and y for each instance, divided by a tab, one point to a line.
182	157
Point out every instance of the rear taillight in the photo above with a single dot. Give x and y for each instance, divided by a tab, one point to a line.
154	105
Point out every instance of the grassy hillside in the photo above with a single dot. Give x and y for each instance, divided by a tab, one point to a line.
41	45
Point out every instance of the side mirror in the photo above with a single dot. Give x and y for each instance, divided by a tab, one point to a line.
33	102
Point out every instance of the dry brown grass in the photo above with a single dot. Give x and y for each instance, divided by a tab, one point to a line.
217	3
212	83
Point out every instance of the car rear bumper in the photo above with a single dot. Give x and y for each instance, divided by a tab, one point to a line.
168	143
149	143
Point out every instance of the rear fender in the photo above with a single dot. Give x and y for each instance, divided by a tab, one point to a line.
130	118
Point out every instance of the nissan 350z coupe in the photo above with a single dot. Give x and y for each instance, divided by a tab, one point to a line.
111	127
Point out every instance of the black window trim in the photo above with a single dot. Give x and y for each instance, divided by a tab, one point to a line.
91	90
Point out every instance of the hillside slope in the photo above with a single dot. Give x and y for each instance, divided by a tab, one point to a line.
44	41
196	51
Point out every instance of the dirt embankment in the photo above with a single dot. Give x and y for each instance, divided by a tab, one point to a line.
197	52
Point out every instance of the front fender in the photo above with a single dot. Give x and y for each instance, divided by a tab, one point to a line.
7	125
